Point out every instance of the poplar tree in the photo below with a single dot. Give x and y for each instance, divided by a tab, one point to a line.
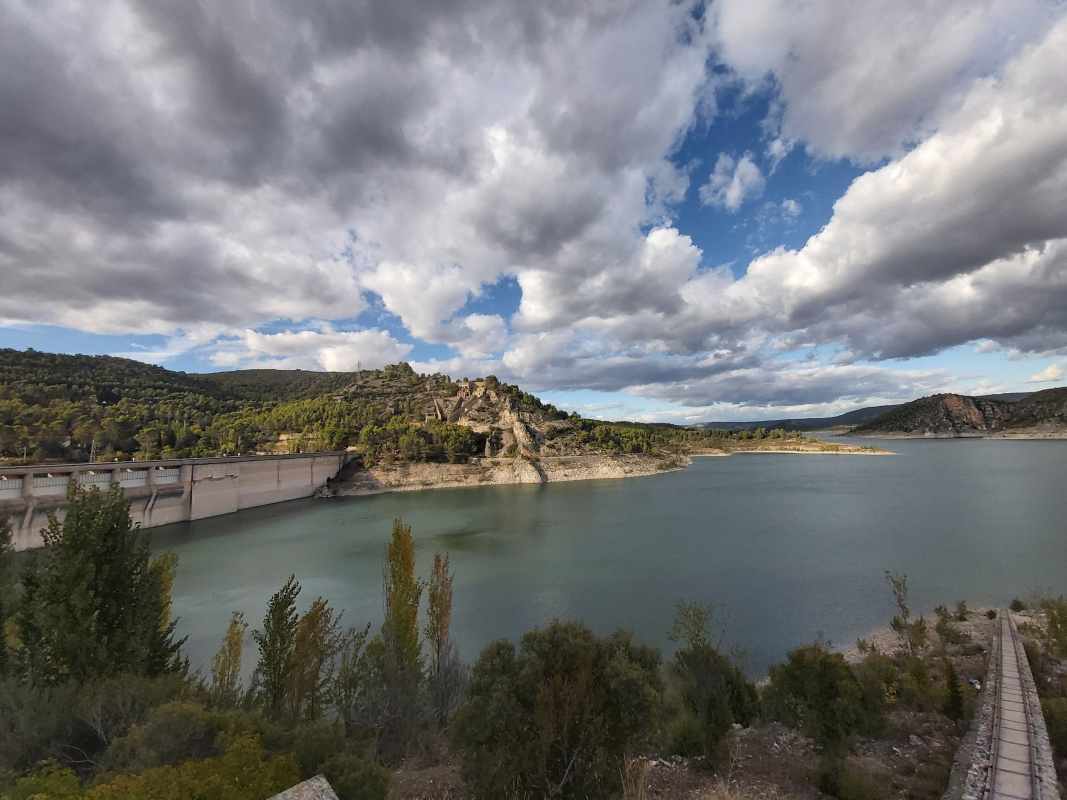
403	593
401	656
446	673
317	642
276	642
225	688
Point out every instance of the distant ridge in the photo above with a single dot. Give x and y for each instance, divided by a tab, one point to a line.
850	419
1041	413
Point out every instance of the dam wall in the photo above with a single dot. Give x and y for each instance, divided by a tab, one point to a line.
162	492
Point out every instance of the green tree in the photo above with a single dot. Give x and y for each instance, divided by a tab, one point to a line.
401	649
316	644
446	673
95	603
225	689
557	717
403	593
275	642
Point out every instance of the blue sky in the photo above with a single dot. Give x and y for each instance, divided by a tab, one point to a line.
685	212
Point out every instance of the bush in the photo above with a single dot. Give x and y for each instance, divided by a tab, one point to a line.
173	733
991	614
961	611
1017	605
713	694
840	778
355	778
1055	710
817	692
556	717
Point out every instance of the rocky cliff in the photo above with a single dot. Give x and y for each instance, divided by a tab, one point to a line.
955	415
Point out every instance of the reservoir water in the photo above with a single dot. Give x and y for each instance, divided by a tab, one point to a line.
790	547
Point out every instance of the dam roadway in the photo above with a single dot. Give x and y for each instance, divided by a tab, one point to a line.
165	491
1019	765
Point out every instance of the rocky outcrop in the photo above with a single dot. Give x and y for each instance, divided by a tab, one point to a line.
956	415
485	472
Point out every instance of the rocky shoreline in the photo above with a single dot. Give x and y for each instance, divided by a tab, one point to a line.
501	471
410	477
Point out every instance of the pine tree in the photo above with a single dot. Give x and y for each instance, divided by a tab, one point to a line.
94	602
276	642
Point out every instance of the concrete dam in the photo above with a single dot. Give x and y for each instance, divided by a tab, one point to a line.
162	492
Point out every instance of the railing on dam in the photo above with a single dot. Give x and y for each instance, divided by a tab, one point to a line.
165	491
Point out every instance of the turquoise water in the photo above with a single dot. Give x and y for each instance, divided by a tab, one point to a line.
790	547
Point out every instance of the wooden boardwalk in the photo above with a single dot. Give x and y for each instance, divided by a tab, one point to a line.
1014	766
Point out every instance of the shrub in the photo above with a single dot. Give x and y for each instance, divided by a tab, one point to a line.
1055	711
173	732
33	722
714	695
953	706
991	614
556	717
1017	605
817	692
840	778
962	611
355	778
1056	625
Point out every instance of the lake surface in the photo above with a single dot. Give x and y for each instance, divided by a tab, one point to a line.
791	547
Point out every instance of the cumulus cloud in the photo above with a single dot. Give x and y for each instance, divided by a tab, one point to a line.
197	171
1050	374
179	164
962	238
322	349
868	81
732	182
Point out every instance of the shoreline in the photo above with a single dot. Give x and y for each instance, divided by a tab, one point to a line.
555	469
996	437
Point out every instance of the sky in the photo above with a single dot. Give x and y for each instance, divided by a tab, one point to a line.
661	210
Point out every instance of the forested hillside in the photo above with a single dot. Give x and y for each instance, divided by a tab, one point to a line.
67	408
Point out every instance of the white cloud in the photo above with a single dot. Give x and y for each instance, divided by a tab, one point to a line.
867	80
962	238
1050	374
791	208
323	349
732	182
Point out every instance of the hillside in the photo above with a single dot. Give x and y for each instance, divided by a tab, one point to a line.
68	407
1039	414
848	419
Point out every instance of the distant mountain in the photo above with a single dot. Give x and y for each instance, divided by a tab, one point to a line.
951	415
849	419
